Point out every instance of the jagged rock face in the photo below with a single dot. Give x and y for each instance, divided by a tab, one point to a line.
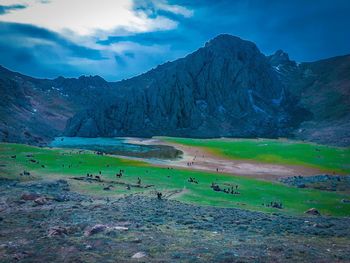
226	88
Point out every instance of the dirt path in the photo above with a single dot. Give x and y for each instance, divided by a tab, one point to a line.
196	158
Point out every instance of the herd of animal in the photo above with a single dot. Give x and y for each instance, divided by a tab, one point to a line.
231	189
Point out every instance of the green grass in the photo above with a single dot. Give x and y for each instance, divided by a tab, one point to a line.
326	158
253	192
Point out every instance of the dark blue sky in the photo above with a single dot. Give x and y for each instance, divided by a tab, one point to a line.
131	37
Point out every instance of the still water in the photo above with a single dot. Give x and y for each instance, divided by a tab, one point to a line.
117	146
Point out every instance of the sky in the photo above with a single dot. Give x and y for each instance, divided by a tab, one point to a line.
119	39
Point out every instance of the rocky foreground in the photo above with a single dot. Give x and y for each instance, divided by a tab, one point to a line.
43	221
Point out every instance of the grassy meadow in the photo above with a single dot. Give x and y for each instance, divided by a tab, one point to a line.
254	194
327	158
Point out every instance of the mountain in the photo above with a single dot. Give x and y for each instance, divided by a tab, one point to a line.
322	87
36	110
226	88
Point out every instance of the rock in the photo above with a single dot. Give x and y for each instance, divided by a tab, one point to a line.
60	198
30	196
88	247
313	211
139	255
40	201
120	228
57	231
95	229
113	231
21	255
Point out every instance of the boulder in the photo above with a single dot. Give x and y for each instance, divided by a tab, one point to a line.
30	196
313	211
139	255
95	229
40	200
57	231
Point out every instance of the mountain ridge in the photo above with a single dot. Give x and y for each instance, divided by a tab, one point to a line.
191	96
205	94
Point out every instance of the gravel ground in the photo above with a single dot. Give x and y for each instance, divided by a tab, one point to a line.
43	221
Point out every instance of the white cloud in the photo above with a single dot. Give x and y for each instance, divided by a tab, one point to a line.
89	18
84	22
175	9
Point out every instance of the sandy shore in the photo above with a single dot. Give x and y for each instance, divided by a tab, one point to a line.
196	158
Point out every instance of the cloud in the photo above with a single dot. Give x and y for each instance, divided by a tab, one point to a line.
54	33
122	38
164	6
95	18
6	9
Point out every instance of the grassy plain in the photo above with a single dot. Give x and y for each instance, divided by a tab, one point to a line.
254	193
327	158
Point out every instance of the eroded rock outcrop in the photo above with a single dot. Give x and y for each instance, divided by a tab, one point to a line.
226	88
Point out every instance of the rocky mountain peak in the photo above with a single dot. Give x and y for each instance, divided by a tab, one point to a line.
280	58
226	88
225	44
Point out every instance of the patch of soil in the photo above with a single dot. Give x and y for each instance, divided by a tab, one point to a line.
198	159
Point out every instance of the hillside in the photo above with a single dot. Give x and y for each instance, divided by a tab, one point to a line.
226	88
322	87
36	110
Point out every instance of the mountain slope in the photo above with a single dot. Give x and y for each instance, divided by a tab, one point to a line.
226	88
322	87
36	110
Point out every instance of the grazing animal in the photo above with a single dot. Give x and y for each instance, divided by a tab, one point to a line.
193	180
215	187
107	188
275	205
159	195
138	180
98	177
13	156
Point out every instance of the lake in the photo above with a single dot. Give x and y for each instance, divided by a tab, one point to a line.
117	146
